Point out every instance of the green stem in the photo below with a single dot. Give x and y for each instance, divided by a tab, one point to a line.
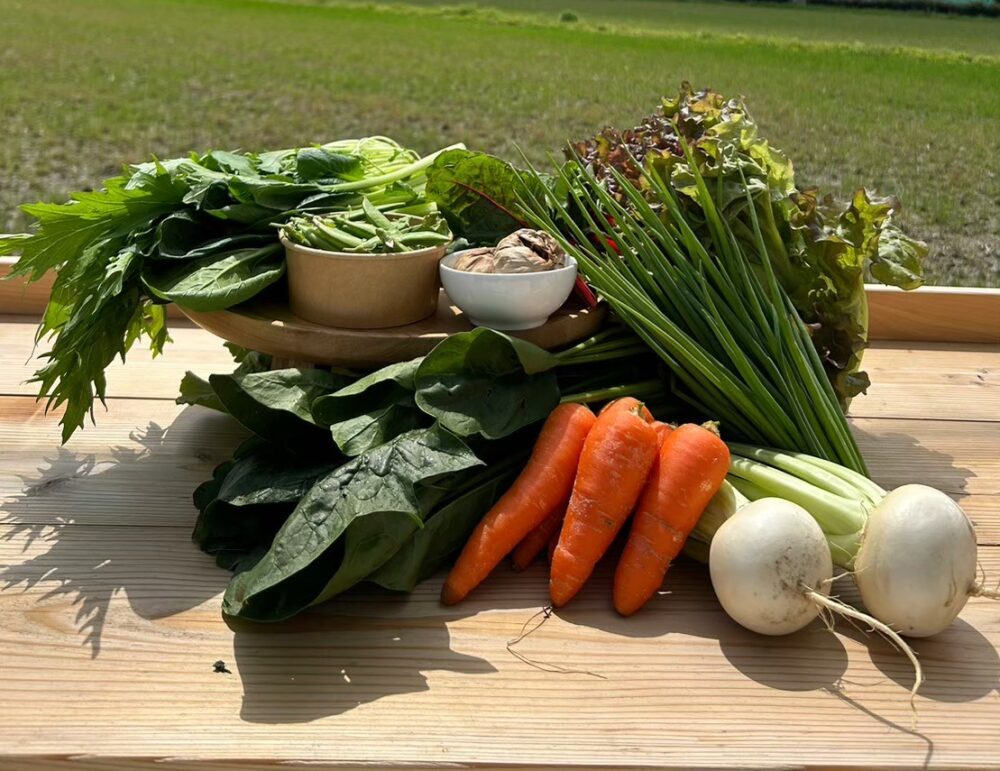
638	390
835	514
386	179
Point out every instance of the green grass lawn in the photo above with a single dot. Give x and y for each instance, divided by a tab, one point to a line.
88	84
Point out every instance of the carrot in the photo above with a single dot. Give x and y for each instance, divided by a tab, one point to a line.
535	541
627	403
662	431
542	486
616	458
689	469
553	542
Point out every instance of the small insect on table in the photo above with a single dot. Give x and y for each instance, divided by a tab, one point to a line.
114	654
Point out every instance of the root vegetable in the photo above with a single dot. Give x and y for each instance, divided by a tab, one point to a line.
764	562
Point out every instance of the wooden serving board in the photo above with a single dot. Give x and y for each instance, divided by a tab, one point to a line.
269	326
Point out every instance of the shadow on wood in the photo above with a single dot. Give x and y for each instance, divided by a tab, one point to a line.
93	563
331	660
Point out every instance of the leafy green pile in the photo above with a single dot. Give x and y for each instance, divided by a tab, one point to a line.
378	478
198	231
819	248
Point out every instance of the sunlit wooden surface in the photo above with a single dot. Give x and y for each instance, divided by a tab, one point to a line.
110	621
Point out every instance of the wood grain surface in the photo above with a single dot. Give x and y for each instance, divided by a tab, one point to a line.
110	619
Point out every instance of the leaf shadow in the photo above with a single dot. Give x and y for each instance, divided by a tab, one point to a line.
897	458
367	646
65	513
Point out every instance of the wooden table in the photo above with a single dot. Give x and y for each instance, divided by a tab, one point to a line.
110	622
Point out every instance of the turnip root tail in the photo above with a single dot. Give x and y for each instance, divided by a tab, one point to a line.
980	590
840	608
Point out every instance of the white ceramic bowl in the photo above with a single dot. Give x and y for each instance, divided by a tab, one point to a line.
508	301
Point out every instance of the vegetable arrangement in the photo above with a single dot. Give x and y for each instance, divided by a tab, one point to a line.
197	231
740	311
382	477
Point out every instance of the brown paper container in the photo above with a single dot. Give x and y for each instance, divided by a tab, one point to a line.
362	291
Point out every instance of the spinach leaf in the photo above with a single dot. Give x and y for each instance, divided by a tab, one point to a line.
478	195
372	410
236	536
484	382
198	391
269	474
391	485
315	163
445	531
275	405
184	235
217	281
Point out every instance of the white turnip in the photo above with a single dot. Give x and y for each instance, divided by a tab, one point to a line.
916	566
766	560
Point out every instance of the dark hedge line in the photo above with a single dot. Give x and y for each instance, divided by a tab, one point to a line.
927	6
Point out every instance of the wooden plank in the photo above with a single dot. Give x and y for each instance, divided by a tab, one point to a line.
19	297
953	380
140	376
960	381
127	621
934	313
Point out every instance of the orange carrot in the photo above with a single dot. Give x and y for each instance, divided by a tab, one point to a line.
535	541
615	461
553	542
662	431
689	469
542	486
546	534
627	403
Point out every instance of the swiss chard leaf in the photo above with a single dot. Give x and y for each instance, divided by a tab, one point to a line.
275	405
391	485
484	382
478	195
215	282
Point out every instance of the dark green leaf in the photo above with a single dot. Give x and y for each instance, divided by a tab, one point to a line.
383	495
236	535
270	474
371	410
195	390
444	532
314	163
484	382
218	281
276	404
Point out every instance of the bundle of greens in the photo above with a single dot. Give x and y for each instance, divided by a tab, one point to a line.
820	249
197	231
378	478
729	334
371	229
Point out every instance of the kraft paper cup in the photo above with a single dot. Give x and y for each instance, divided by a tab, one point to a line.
362	291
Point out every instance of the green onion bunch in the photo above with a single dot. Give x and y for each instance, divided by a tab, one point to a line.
712	311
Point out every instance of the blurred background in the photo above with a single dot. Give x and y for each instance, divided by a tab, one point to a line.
903	98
